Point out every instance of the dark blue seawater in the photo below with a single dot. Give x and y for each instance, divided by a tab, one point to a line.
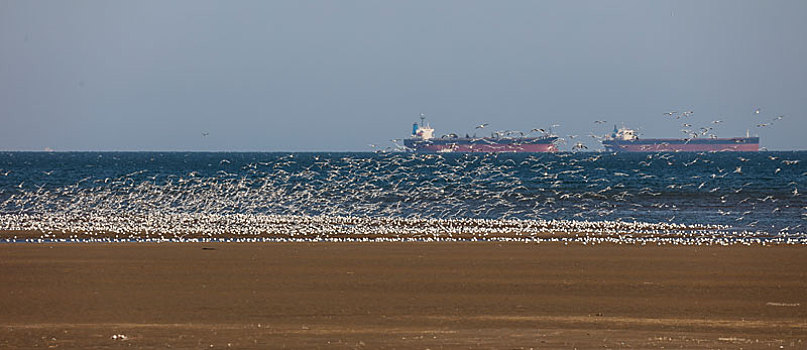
762	191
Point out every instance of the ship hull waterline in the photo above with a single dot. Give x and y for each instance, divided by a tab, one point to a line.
740	144
511	146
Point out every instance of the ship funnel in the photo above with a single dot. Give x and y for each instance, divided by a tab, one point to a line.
415	129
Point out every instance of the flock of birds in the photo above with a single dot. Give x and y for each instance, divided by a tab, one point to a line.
552	197
188	227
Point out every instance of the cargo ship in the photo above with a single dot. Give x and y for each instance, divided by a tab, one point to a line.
627	140
422	140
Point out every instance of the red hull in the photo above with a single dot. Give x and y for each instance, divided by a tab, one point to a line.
546	147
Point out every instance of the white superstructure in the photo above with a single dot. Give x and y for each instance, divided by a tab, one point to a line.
624	134
423	131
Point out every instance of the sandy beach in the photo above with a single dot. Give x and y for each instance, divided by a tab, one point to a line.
401	295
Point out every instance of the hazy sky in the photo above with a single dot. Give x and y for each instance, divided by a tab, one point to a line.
338	75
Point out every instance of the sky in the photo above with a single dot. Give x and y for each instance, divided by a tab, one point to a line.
340	75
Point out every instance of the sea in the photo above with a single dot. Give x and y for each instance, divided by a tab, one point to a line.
763	193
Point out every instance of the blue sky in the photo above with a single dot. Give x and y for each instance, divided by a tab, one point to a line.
339	75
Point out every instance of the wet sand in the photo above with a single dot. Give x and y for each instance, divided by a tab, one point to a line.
401	295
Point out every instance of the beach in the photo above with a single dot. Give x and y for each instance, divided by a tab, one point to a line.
401	295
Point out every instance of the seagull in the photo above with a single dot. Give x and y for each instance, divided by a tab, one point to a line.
579	145
600	121
480	126
204	134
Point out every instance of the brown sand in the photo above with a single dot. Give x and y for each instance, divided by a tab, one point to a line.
401	295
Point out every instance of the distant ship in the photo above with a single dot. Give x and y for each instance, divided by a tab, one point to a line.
423	140
627	140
